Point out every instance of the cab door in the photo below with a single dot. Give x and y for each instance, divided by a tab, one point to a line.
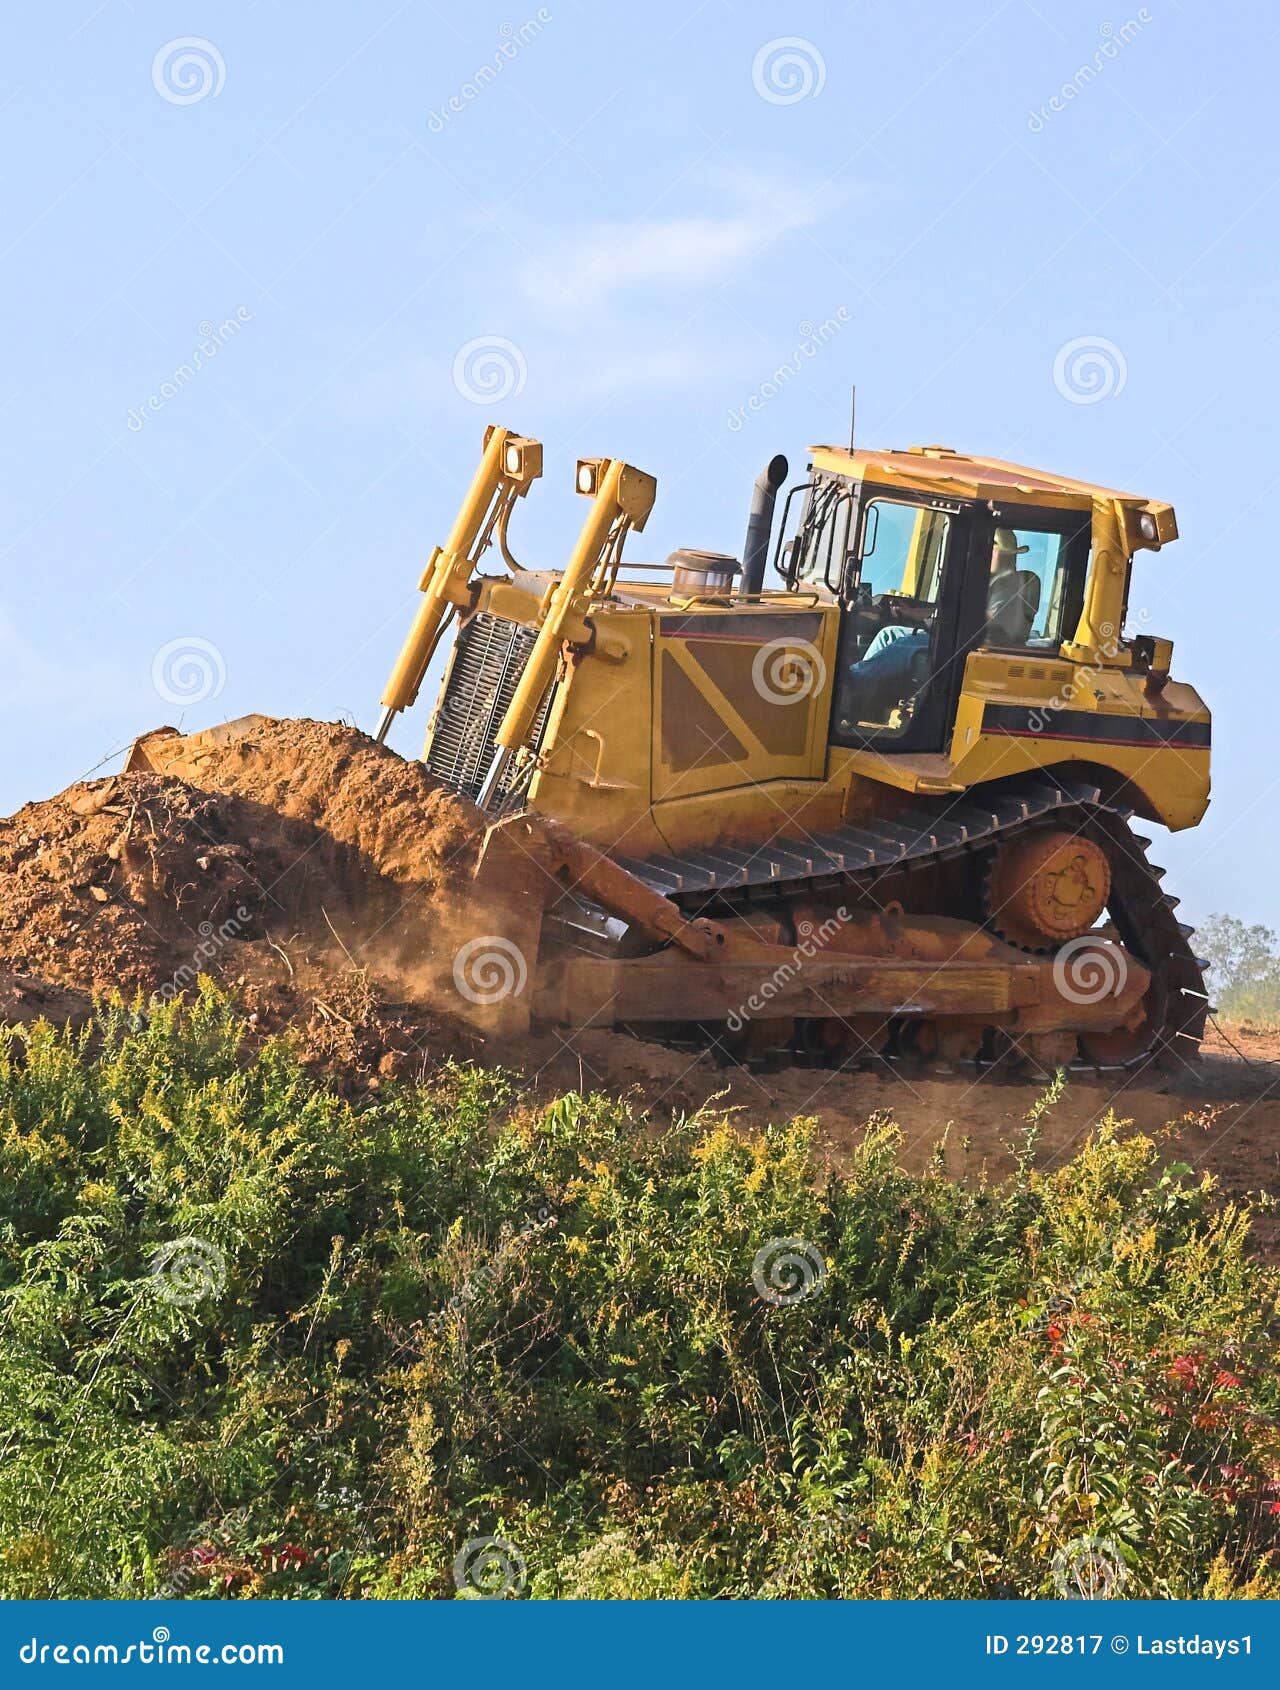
901	643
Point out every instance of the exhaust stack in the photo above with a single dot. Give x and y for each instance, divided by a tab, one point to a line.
755	548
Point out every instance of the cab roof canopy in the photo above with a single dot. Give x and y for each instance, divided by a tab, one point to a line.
949	474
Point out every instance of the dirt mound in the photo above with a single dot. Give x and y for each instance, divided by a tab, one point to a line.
402	821
301	862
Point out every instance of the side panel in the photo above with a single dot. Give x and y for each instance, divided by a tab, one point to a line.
741	696
1020	714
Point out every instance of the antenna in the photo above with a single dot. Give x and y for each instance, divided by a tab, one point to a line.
853	414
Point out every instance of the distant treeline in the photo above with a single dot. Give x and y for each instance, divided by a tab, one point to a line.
1244	969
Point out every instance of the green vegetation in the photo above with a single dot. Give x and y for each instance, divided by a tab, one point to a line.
257	1340
1244	969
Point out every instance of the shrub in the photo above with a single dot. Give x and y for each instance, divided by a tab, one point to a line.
262	1341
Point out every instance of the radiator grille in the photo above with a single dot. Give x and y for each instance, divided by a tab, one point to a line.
489	656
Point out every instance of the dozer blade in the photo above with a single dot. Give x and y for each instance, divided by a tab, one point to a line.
528	863
165	751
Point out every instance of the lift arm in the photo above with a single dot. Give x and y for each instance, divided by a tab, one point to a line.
511	463
621	499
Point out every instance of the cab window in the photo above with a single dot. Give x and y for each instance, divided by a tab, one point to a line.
1036	585
902	549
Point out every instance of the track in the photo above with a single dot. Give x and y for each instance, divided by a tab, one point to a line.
933	858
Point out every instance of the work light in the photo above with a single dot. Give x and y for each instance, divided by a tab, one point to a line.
522	460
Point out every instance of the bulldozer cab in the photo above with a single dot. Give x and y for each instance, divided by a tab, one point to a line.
921	582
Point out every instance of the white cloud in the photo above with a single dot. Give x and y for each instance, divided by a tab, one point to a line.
639	368
607	308
598	263
613	258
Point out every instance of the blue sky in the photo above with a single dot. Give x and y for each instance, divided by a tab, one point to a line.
1042	231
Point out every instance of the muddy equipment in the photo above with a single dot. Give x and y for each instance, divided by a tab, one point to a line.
876	808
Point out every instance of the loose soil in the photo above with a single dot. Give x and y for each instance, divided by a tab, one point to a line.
327	881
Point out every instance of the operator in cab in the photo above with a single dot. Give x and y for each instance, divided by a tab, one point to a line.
894	665
1013	594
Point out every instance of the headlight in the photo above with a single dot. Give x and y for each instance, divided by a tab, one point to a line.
522	460
1155	526
588	475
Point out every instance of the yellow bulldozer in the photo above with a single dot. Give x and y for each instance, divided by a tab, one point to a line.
877	809
861	795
